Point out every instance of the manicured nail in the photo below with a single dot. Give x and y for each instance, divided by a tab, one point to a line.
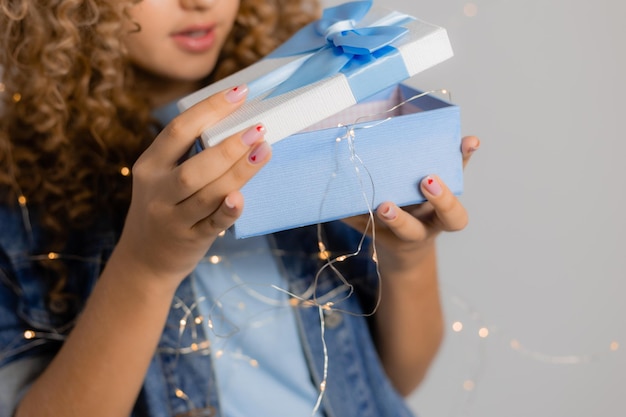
236	94
260	153
474	148
252	135
229	203
389	213
432	185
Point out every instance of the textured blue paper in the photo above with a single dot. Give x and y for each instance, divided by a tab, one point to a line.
312	177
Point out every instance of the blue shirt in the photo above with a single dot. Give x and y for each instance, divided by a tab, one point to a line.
253	332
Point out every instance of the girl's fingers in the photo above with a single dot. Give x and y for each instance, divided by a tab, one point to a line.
228	211
212	163
446	213
469	144
208	199
443	212
450	213
178	136
402	224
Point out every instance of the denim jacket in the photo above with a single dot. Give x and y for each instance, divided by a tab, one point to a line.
179	381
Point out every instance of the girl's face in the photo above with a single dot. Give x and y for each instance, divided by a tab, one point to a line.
180	40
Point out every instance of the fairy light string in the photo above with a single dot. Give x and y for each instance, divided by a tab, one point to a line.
487	331
311	298
474	325
329	302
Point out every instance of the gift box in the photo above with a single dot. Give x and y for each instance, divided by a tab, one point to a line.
352	52
348	64
328	172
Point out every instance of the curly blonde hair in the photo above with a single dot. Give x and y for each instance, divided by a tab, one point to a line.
70	120
70	117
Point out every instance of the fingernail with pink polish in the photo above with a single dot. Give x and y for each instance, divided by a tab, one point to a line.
229	203
432	185
237	94
389	213
252	135
473	148
260	153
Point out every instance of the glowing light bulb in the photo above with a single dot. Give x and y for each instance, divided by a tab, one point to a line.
483	332
125	171
470	9
215	259
457	326
323	255
469	385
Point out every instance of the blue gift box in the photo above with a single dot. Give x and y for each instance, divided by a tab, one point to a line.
325	174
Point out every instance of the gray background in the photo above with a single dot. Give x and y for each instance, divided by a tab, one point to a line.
541	83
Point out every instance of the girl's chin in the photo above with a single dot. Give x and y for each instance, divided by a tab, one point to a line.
164	87
187	78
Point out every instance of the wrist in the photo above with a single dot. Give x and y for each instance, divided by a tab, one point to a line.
138	277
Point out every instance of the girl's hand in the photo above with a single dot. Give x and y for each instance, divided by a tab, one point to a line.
177	210
408	325
402	235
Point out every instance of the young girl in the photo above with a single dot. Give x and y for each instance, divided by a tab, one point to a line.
143	306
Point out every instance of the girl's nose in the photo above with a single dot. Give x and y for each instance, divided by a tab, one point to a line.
196	4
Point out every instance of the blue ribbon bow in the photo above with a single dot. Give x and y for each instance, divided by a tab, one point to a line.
333	42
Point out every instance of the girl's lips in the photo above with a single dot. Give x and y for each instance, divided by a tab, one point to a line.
195	39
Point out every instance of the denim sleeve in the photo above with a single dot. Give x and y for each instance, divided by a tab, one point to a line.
12	338
16	378
32	325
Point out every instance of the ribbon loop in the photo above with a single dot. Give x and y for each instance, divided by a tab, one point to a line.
367	40
339	27
353	11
